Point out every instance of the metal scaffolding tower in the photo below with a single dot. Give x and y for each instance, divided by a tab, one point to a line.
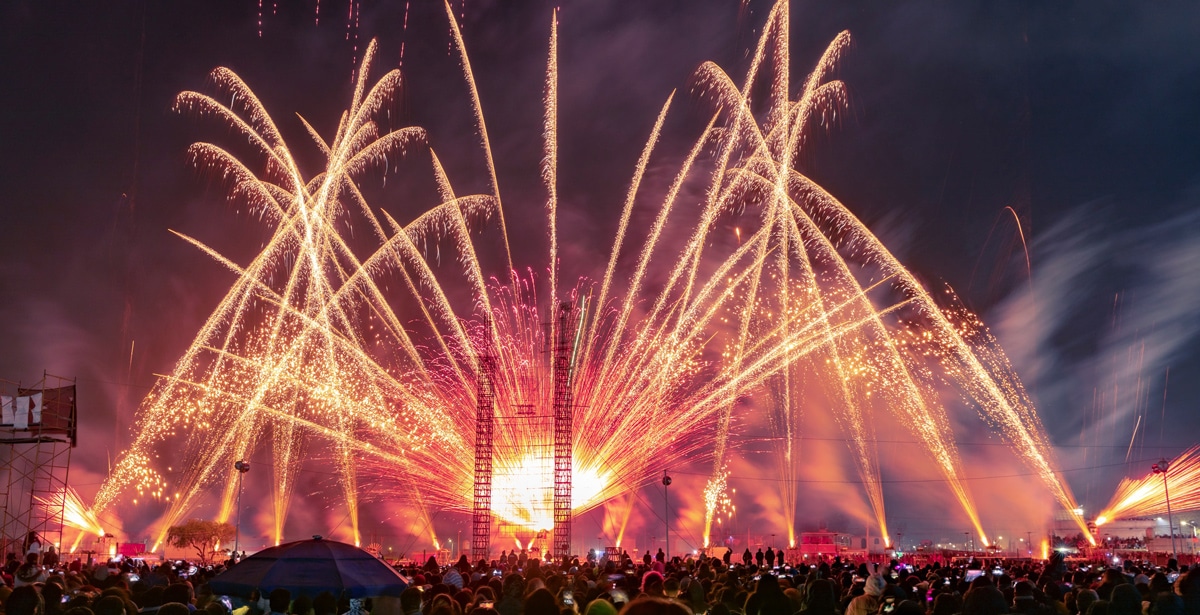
523	418
563	355
485	403
38	431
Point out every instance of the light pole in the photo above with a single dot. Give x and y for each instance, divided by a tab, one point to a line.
1161	468
1189	546
242	467
666	519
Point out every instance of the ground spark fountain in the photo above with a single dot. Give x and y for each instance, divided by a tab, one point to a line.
74	512
1146	496
369	346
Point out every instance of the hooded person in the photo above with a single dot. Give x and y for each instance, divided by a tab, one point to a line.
29	573
868	603
453	578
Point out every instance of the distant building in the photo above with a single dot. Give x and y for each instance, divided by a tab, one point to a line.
826	543
1150	534
872	545
1129	528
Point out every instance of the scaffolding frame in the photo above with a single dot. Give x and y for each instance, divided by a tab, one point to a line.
563	427
38	436
485	412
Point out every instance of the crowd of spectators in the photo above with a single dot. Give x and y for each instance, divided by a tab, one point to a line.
1125	543
649	585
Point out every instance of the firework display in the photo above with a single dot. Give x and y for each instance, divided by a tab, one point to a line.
355	332
1147	496
76	514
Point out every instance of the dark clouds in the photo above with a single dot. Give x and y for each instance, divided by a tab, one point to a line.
958	110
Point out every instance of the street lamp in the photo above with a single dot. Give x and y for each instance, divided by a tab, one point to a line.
1161	468
242	467
666	481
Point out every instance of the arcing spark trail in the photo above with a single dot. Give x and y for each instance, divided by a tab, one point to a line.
369	346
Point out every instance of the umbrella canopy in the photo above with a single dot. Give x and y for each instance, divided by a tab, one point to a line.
310	567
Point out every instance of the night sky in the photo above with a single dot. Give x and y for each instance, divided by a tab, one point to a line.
1084	118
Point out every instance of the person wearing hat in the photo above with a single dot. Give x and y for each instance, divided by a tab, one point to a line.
453	578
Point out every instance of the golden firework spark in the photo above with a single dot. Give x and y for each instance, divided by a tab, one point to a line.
717	502
1147	496
75	513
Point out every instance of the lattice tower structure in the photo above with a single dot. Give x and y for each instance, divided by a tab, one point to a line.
563	429
485	409
38	431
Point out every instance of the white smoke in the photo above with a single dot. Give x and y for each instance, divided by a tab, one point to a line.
1113	306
